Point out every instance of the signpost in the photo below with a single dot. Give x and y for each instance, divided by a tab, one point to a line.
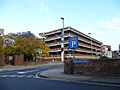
73	44
35	54
40	51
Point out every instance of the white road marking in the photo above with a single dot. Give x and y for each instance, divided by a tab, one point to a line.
29	76
12	75
4	75
21	75
27	71
20	72
36	75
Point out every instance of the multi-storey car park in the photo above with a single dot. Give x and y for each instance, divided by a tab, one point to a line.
88	47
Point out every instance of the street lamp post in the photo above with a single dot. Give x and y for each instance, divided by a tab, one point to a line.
96	53
43	37
91	43
62	41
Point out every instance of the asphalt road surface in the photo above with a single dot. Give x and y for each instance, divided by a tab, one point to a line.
26	79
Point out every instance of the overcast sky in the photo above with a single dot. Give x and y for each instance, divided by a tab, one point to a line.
101	18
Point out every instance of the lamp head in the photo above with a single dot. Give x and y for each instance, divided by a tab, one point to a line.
62	18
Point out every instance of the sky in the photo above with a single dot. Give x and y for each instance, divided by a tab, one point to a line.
101	18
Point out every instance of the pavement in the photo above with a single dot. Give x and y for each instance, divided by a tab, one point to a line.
57	74
11	67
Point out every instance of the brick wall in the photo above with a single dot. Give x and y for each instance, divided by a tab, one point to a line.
104	68
19	59
68	67
2	60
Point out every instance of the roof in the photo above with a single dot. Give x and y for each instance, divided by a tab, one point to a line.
71	29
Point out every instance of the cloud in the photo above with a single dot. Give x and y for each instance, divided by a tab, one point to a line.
40	4
113	25
107	32
52	24
43	6
111	32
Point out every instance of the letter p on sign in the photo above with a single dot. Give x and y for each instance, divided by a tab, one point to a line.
73	42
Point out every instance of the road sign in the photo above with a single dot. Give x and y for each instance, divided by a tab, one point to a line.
39	51
73	42
80	61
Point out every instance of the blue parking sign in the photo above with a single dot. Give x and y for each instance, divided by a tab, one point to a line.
73	42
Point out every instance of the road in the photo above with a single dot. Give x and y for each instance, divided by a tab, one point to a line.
26	79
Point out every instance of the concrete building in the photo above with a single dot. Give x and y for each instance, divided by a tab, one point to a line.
106	51
119	48
88	47
1	32
116	53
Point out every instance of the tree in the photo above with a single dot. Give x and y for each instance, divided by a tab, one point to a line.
15	44
9	47
28	45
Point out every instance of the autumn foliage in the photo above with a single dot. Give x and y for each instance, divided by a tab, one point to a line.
15	44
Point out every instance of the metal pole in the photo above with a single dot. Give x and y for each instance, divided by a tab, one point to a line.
62	41
43	42
96	53
73	54
43	37
91	46
35	57
91	43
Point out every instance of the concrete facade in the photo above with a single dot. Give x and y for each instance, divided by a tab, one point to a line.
88	47
106	51
1	32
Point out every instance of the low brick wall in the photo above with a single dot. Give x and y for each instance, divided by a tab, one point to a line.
68	67
101	67
2	60
19	59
